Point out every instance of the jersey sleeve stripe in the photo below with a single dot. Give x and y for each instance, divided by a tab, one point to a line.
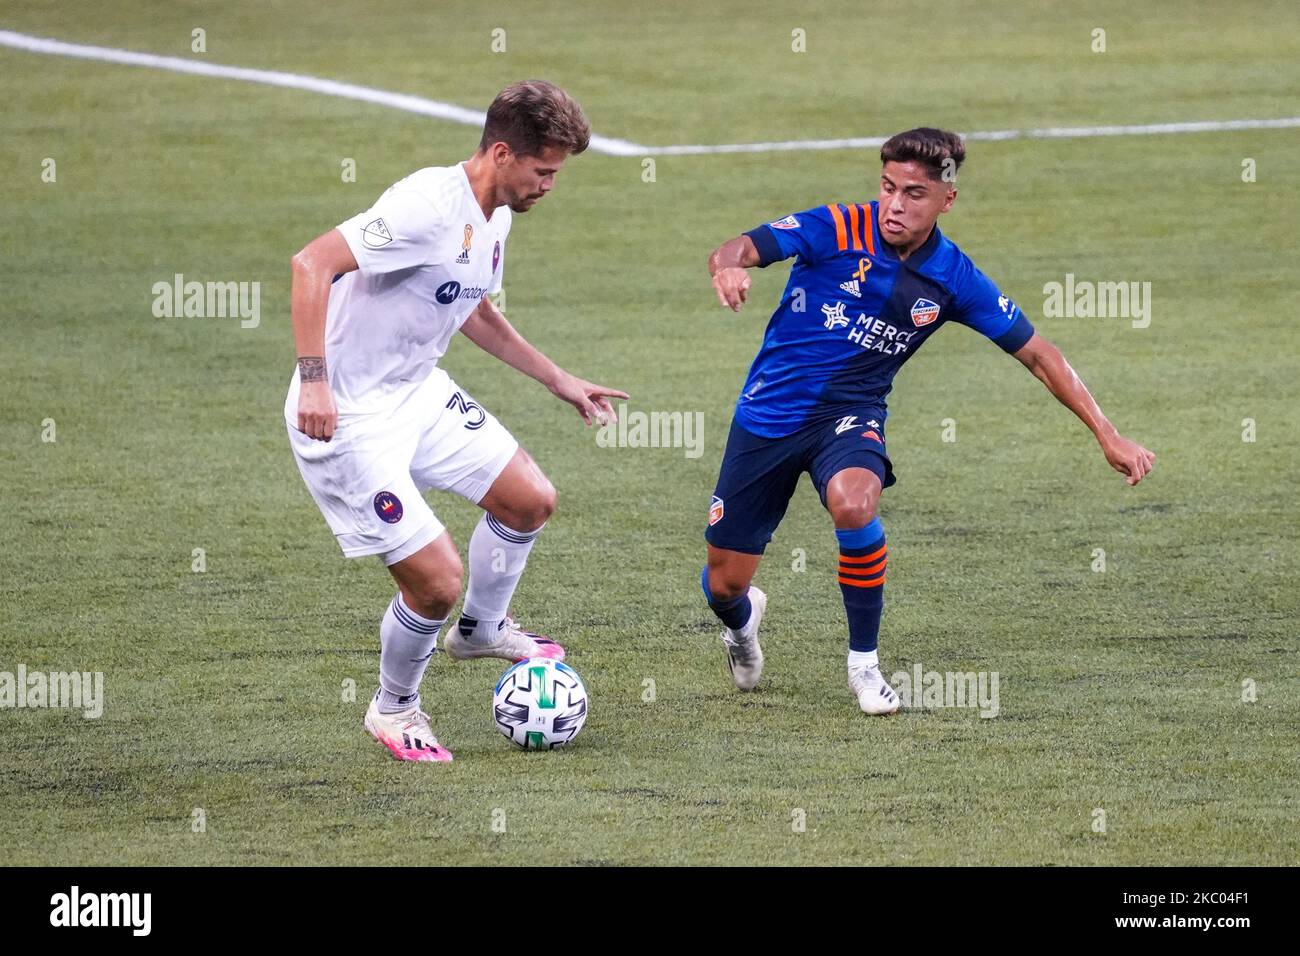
854	235
769	250
841	237
1014	338
868	230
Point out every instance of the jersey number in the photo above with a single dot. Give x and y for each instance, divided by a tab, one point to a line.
469	408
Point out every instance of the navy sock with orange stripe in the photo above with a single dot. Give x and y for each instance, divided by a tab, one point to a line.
862	580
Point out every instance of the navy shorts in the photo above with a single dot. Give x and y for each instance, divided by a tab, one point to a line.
759	475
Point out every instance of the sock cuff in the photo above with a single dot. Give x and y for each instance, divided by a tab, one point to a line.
856	539
412	621
863	658
509	534
391	702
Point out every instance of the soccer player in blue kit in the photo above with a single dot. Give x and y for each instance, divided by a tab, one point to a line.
870	283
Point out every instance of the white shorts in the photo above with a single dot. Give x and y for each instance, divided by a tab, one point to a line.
368	479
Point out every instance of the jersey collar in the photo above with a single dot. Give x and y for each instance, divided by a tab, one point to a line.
473	200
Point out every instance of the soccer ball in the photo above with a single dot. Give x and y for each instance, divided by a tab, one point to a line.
540	704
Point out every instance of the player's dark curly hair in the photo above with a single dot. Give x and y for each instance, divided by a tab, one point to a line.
532	115
935	149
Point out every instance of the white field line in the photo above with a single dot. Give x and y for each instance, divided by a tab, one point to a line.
1051	132
296	81
601	144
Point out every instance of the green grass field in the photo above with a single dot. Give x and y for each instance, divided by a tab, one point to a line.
1120	691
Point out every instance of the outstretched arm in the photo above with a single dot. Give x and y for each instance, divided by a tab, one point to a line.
1050	367
727	265
489	329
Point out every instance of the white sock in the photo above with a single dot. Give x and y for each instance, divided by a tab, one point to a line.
497	556
750	628
863	659
406	642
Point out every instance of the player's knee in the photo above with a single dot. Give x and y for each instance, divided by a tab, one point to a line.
546	501
724	586
435	595
852	514
539	508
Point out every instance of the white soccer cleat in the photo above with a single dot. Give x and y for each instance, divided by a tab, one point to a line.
513	643
744	654
406	734
873	694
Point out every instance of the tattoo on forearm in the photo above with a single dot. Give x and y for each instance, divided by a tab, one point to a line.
311	368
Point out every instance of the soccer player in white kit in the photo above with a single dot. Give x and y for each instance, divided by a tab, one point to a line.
374	422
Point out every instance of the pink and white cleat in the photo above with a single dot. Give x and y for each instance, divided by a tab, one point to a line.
512	643
406	734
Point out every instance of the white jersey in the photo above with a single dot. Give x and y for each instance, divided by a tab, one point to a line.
425	257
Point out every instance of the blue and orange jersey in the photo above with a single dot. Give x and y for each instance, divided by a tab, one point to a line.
852	313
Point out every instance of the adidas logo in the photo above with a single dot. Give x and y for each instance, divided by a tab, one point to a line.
851	287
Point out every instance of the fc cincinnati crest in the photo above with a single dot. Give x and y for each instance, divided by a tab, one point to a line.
715	511
924	312
463	258
496	256
388	506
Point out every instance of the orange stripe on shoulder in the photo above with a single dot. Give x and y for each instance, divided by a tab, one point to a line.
854	235
868	230
841	236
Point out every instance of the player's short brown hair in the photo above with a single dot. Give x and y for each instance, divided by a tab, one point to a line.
532	115
935	149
